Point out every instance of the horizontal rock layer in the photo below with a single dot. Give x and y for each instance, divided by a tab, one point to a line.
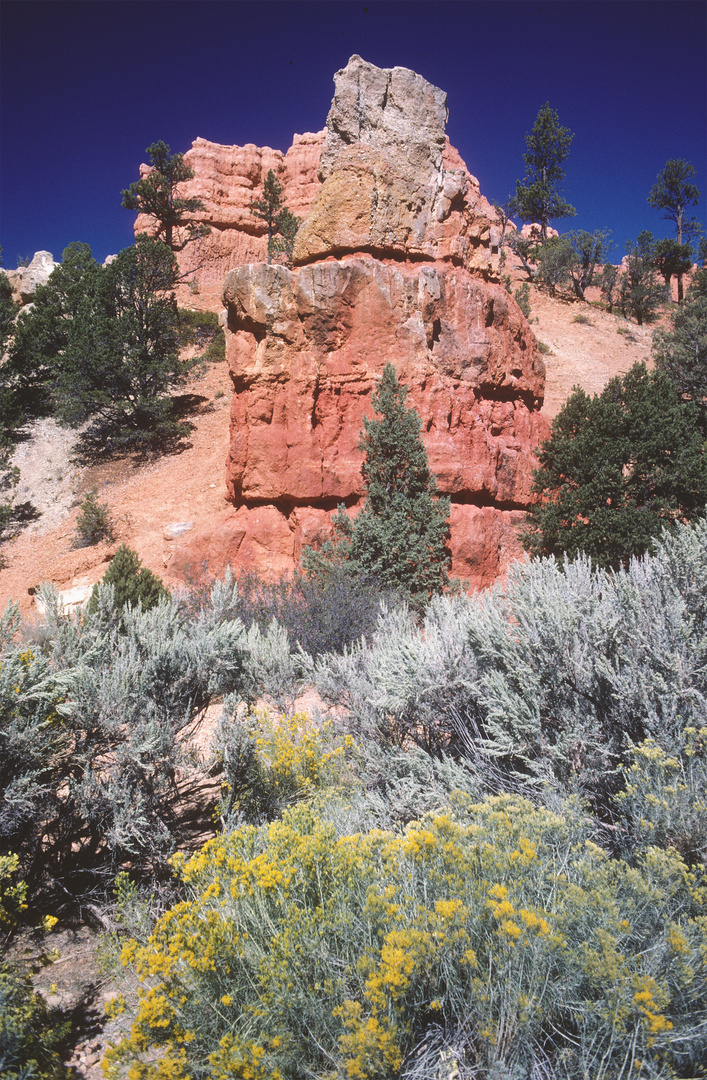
227	179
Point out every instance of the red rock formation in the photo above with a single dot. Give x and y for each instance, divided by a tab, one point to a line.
305	348
395	263
227	179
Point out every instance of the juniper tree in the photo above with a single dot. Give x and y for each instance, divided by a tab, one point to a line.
673	260
157	194
555	259
616	470
608	282
589	249
133	583
399	538
641	291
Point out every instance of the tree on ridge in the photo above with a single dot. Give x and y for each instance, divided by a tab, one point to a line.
538	196
156	194
280	223
674	193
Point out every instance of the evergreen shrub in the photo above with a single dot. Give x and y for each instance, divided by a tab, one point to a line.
522	298
94	523
132	582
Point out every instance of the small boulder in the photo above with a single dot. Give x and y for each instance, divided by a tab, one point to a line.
177	528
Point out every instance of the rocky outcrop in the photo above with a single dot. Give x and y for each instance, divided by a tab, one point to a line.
305	349
394	262
386	186
381	177
26	279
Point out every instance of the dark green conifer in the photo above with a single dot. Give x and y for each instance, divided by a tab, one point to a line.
133	583
399	539
158	194
617	469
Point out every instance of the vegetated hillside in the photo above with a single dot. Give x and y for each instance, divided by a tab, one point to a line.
505	809
144	498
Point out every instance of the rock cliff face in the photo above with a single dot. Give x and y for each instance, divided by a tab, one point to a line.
386	186
394	262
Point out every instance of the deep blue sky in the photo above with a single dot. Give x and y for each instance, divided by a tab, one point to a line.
87	85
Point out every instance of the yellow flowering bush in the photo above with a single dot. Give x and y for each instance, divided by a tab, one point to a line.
664	801
13	893
492	934
271	762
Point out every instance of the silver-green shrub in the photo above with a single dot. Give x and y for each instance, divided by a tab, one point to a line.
547	681
97	719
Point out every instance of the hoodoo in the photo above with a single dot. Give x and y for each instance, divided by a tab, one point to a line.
395	262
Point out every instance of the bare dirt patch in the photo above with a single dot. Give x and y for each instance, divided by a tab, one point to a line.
143	496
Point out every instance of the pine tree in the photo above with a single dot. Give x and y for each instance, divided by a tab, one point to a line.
10	415
538	196
281	224
156	194
399	538
673	193
9	479
121	357
43	331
